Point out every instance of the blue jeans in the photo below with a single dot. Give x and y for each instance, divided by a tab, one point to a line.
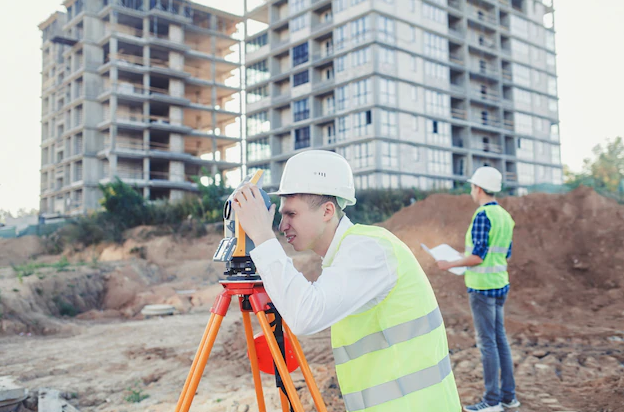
489	322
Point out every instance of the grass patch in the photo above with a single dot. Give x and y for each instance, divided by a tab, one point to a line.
30	268
61	265
135	395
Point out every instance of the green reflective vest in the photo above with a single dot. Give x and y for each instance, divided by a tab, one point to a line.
394	357
492	272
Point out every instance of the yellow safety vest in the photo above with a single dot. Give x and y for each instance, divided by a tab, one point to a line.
492	272
394	357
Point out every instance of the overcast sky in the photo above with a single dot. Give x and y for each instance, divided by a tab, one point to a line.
590	57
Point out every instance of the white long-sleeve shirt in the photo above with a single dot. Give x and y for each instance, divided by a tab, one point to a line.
361	274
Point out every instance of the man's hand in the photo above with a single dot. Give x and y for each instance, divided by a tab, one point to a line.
470	260
445	264
256	220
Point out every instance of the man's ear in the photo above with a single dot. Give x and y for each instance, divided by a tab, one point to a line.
329	211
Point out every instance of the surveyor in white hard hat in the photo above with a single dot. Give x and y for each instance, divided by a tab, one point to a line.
488	246
387	333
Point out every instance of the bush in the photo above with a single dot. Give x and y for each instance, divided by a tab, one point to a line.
125	208
90	229
65	308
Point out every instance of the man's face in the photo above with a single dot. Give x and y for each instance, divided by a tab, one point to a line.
474	192
301	225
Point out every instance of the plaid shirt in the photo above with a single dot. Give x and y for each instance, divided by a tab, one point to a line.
480	235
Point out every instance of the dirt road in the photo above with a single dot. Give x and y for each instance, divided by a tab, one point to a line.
101	364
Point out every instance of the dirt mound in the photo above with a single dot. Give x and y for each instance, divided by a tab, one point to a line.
567	256
18	250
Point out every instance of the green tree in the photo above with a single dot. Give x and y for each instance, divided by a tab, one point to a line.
123	205
604	171
608	167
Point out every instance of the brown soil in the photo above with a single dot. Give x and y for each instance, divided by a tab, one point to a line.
564	314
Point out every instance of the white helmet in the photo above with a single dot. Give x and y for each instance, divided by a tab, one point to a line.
318	172
487	178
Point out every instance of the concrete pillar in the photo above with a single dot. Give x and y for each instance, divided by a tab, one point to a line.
176	34
146	139
176	115
112	165
176	143
176	88
146	56
113	49
176	171
146	83
113	117
146	168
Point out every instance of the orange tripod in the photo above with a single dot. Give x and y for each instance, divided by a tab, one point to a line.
252	297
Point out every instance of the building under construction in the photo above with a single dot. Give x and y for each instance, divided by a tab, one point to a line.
144	90
414	93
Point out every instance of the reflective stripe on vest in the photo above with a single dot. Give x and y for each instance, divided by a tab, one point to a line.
493	249
398	388
388	337
490	269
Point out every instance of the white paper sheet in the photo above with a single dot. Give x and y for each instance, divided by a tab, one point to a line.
445	252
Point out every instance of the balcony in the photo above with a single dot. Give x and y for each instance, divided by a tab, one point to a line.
130	174
173	10
322	26
484	94
127	144
456	58
136	5
482	16
455	4
280	98
459	114
457	34
491	148
325	53
489	121
125	59
486	70
123	30
164	40
323	85
458	89
481	40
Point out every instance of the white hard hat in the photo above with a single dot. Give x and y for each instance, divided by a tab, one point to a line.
488	179
318	172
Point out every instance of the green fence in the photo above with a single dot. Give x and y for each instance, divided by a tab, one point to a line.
31	230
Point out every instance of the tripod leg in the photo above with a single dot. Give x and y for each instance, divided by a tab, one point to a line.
195	359
284	400
279	362
305	369
201	363
255	370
